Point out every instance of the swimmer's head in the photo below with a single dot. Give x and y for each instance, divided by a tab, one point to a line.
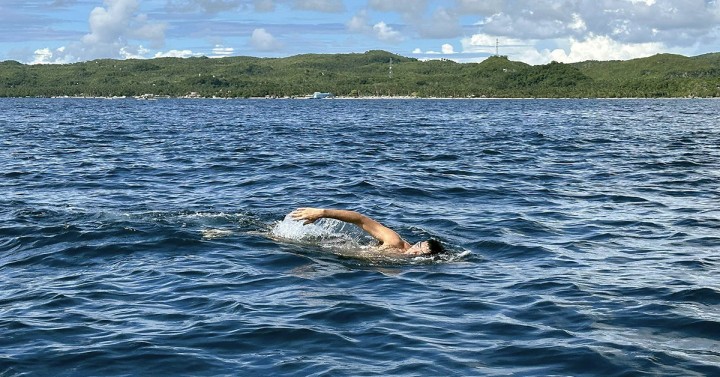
429	247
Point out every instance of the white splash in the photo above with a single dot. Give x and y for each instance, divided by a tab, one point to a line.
324	232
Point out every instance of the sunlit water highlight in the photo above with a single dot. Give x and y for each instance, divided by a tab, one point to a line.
151	238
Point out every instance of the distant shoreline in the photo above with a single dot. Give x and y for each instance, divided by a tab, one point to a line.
361	98
366	76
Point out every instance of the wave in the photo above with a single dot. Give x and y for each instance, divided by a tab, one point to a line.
150	238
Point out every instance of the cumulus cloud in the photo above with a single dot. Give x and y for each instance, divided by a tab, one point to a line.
529	25
447	49
133	52
115	31
176	54
360	23
113	26
485	43
578	23
575	50
262	40
534	31
42	56
220	51
48	56
386	33
675	22
573	30
604	48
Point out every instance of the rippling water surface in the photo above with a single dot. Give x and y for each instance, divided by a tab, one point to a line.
148	238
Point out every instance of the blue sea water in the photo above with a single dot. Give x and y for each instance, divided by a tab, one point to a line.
150	238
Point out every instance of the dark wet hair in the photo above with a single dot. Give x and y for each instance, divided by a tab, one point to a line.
435	247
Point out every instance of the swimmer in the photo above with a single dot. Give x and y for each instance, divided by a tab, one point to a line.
388	238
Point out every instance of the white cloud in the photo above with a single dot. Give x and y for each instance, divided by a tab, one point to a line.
576	50
119	21
133	52
359	23
532	56
671	22
529	25
386	33
220	51
445	49
114	31
50	56
605	48
484	43
574	30
262	40
42	56
107	24
176	54
534	31
578	23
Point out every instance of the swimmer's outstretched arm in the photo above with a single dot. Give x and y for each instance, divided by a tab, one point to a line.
385	235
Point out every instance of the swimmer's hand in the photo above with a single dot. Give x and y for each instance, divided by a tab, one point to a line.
310	215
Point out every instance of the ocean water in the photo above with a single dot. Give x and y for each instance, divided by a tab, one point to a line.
151	238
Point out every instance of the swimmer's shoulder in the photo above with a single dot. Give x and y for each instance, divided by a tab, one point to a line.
390	250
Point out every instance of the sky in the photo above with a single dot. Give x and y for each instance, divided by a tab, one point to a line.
532	31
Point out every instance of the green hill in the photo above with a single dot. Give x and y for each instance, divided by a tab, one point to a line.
366	74
662	75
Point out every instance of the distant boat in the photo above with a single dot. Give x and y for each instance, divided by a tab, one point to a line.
321	95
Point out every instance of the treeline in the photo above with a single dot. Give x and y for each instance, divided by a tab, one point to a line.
374	73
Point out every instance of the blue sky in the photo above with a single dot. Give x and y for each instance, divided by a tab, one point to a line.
533	31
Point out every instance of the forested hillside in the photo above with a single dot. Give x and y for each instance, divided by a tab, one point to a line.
367	74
